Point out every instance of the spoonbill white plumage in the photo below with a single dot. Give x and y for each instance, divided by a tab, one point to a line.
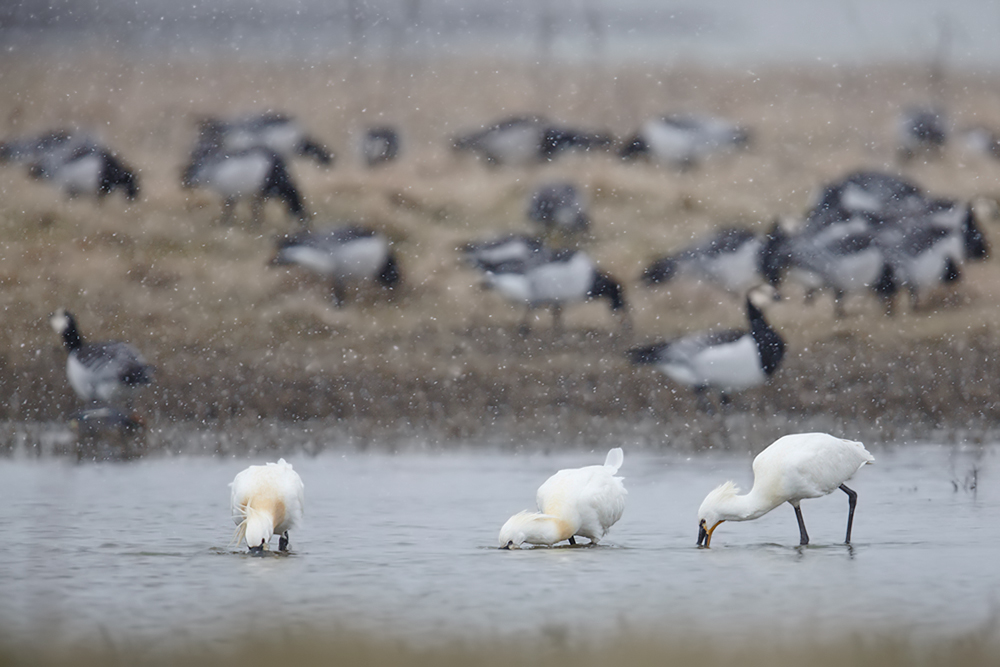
577	501
803	465
266	500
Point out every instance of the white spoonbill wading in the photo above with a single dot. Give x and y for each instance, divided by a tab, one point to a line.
803	465
577	501
266	500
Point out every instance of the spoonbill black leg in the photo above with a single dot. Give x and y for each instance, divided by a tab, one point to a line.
803	535
572	541
283	542
852	499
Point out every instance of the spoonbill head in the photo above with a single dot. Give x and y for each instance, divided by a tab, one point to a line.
266	500
583	502
794	467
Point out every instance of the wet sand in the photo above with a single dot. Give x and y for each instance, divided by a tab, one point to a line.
237	343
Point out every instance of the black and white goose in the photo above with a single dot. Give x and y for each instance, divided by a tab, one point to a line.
346	255
733	258
491	252
28	150
276	132
841	261
864	199
558	208
523	140
103	373
725	360
379	145
255	173
920	130
89	170
982	140
73	162
554	279
684	140
922	257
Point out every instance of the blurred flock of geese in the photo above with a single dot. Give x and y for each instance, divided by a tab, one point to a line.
869	232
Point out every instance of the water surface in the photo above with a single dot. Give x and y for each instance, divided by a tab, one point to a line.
406	543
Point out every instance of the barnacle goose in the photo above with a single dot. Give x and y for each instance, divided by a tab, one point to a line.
922	257
88	170
104	373
920	130
379	145
558	207
276	132
28	150
982	140
684	140
506	248
258	173
525	140
924	240
73	162
345	255
844	261
554	279
724	361
733	258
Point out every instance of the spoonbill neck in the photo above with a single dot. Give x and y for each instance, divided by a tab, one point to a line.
748	506
547	529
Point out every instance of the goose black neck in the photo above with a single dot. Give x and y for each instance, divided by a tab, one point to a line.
605	286
71	335
770	345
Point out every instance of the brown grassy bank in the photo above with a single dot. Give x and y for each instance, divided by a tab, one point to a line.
236	341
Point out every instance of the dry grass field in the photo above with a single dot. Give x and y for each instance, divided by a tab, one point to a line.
236	341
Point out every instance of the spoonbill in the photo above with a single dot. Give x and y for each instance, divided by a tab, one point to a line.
266	499
794	467
576	501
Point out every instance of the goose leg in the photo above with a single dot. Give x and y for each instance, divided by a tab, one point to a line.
838	305
557	323
803	535
338	293
704	403
525	328
283	542
228	212
852	499
256	210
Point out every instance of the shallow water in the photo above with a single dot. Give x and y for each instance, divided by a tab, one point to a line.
406	543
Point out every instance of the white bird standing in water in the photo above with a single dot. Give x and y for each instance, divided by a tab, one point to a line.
266	500
804	465
577	501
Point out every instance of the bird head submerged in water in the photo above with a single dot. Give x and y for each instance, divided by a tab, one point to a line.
533	528
266	500
257	528
708	514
